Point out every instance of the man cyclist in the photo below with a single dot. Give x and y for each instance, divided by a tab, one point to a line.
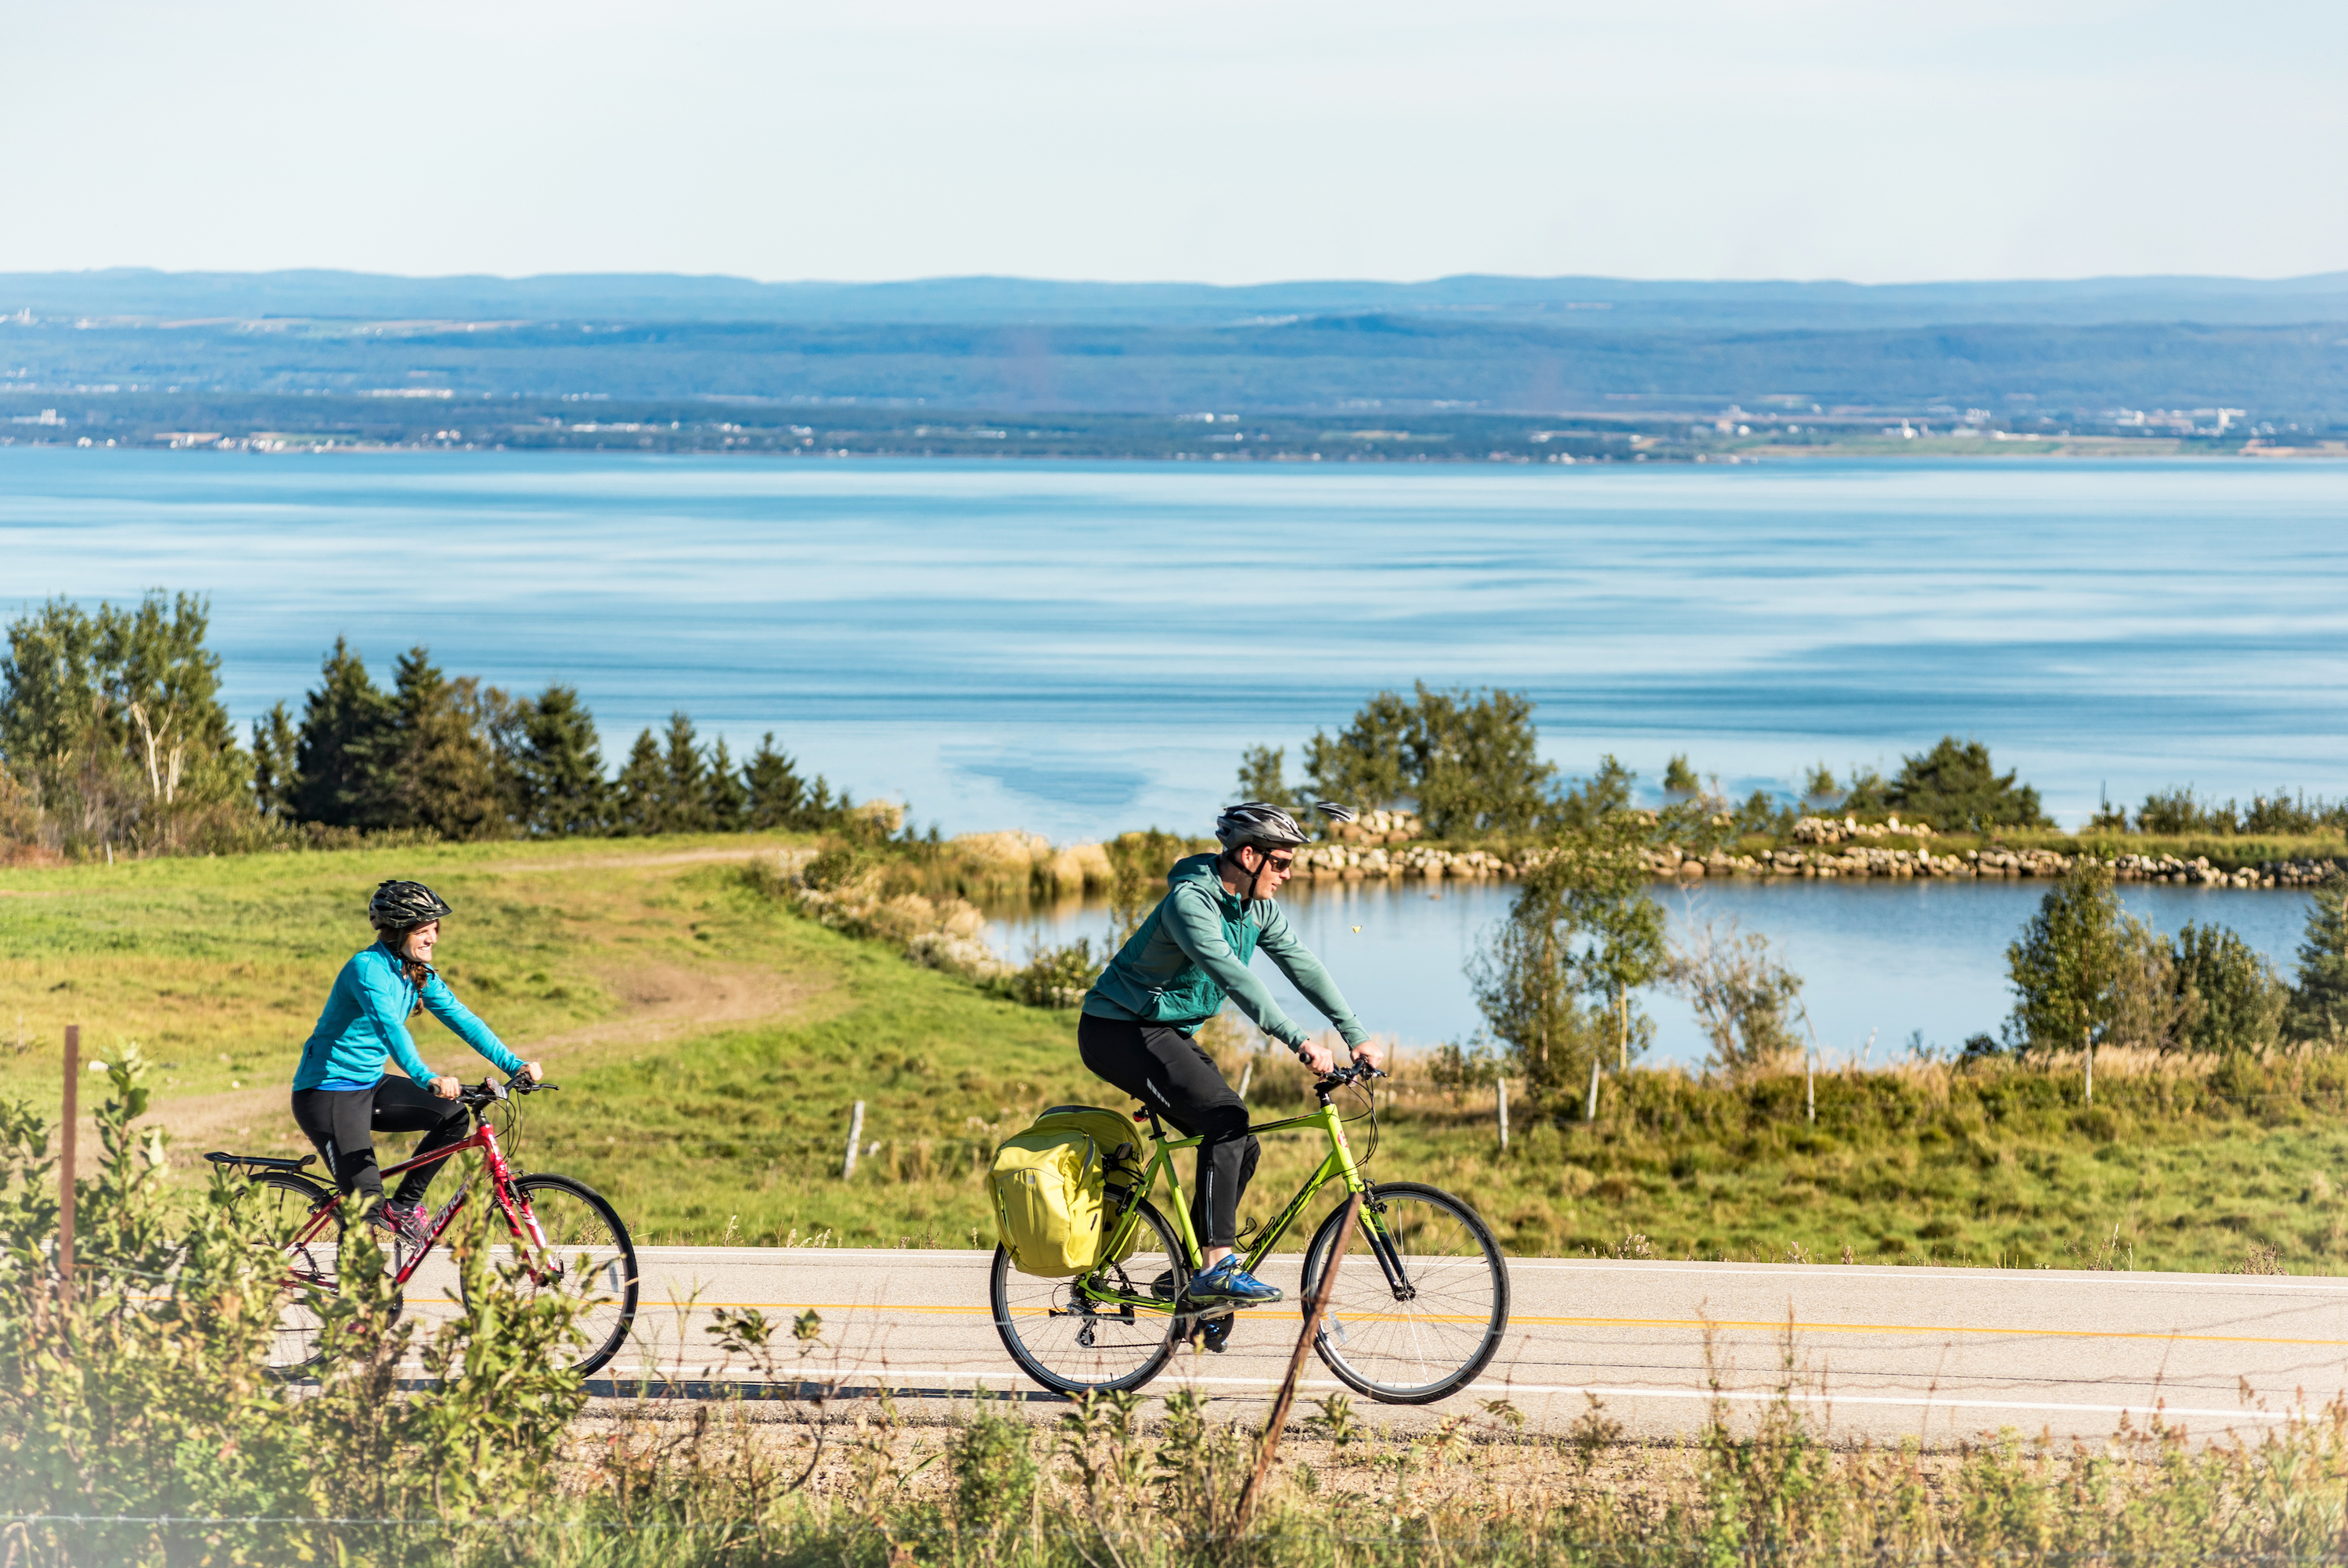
1174	975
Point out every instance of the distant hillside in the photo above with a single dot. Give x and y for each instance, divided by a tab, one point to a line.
1296	364
1601	304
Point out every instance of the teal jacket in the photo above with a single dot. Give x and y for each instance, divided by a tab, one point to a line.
1193	951
366	1023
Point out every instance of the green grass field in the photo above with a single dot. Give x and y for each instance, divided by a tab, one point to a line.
710	1044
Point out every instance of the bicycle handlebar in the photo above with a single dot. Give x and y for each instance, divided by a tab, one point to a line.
1338	1077
487	1092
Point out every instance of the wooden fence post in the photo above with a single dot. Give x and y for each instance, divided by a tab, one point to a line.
2090	1041
65	1165
1589	1109
1810	1086
855	1135
1504	1115
1314	1309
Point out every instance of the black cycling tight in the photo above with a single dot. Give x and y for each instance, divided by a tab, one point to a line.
343	1124
1172	1073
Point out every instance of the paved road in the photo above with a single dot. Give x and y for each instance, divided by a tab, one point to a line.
1884	1352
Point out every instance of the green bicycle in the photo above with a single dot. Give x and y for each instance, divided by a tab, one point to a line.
1414	1316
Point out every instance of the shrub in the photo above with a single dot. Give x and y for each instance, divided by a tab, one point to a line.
1057	976
2231	998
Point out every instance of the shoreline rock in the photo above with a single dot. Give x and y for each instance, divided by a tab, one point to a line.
1345	862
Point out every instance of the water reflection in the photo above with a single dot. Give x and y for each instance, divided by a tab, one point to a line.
1882	958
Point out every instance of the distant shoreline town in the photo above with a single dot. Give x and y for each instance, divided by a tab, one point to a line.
433	418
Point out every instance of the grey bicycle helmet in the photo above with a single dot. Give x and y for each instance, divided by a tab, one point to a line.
1255	822
403	905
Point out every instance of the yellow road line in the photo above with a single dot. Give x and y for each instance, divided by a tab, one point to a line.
1698	1325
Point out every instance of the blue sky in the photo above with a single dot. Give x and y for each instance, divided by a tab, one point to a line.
1213	141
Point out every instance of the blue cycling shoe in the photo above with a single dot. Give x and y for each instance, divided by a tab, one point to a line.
1228	1283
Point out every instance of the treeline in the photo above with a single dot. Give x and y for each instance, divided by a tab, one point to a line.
2177	812
113	739
1468	763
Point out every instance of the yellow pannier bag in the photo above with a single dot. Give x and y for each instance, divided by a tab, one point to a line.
1048	1185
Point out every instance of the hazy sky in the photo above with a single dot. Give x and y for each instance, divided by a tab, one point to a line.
1214	139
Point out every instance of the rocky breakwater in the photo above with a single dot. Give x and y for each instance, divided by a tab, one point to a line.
1353	862
1822	848
1872	860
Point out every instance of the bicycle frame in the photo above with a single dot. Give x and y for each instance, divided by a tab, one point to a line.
511	1204
1337	1165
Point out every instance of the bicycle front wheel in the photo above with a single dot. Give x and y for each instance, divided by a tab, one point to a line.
588	1259
1421	1300
1072	1345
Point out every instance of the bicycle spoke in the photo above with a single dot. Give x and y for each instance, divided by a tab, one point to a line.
1071	1343
1443	1328
282	1206
587	1258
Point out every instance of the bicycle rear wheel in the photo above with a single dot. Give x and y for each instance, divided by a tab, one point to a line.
1073	1346
589	1258
286	1203
1429	1338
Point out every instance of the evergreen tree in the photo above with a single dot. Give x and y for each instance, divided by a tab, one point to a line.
728	797
1470	764
685	802
275	779
443	770
1679	778
2318	1003
556	766
1955	786
344	756
637	793
775	794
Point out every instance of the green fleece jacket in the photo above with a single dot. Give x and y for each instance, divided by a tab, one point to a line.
1193	951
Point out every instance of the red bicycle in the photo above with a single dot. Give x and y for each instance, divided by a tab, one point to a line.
560	1232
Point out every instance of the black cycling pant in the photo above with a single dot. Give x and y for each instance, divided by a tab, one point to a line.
343	1124
1172	1073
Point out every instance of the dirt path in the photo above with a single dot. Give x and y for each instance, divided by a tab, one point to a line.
658	1002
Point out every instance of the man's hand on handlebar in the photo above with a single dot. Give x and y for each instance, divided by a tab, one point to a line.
1317	1057
1368	1054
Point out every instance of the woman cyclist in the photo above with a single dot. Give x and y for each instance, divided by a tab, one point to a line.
342	1097
1173	976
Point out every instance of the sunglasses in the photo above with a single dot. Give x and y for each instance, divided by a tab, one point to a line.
1279	862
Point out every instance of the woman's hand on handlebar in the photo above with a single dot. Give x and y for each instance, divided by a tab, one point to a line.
446	1087
533	1071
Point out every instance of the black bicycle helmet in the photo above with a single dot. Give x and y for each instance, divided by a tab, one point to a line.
404	905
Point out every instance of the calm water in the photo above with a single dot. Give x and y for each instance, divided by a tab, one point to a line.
1083	649
1887	957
